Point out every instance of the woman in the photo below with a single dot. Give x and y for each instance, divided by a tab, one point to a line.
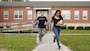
56	29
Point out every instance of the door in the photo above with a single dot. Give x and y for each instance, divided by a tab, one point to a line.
45	14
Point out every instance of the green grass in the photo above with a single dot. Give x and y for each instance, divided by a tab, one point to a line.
18	42
75	31
76	43
26	31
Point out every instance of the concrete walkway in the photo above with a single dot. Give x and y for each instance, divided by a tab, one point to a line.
48	45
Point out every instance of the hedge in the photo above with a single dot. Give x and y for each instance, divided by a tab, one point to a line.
87	28
80	28
70	27
1	27
63	27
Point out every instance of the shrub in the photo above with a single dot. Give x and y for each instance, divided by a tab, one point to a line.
87	28
1	26
63	27
8	26
80	28
70	27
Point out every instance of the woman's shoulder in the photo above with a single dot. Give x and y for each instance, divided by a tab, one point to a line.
61	17
52	17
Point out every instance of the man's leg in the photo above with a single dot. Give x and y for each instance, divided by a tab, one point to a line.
40	34
43	31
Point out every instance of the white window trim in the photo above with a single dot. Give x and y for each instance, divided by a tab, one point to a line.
78	15
4	14
38	13
18	14
54	12
83	15
46	14
66	18
27	14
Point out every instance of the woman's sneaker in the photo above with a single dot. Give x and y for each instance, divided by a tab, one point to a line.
59	47
54	39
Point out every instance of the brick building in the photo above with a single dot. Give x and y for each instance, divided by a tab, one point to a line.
25	11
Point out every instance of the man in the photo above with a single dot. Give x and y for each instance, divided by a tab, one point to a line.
41	25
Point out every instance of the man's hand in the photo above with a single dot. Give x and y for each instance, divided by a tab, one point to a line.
37	21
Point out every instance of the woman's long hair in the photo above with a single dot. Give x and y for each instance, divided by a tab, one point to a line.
56	12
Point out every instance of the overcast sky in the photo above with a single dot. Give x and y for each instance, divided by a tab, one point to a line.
59	0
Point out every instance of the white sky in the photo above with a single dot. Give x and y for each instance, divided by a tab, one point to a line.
59	0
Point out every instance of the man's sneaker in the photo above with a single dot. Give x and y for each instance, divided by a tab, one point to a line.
43	35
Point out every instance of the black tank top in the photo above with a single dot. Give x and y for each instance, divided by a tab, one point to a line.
56	20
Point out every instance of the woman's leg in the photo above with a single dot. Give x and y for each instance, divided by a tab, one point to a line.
55	29
59	30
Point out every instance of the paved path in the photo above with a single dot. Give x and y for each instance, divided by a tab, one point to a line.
48	45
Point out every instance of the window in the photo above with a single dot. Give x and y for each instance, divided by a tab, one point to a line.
85	14
38	13
29	14
18	0
6	14
76	14
53	12
18	14
5	0
66	14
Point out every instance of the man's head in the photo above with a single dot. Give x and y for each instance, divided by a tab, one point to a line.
42	13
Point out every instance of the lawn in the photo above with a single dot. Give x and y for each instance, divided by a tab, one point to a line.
75	31
76	42
17	42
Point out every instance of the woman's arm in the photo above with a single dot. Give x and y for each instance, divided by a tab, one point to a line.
49	22
62	22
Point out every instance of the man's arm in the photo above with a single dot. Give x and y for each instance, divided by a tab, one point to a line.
37	21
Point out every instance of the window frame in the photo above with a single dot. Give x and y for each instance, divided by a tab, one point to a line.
18	14
66	18
28	14
75	13
7	14
53	12
84	15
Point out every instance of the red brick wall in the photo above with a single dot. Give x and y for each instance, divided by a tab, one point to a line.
72	15
11	15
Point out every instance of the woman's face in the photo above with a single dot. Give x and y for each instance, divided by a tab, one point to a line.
58	13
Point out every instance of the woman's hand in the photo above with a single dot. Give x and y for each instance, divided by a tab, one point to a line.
47	27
